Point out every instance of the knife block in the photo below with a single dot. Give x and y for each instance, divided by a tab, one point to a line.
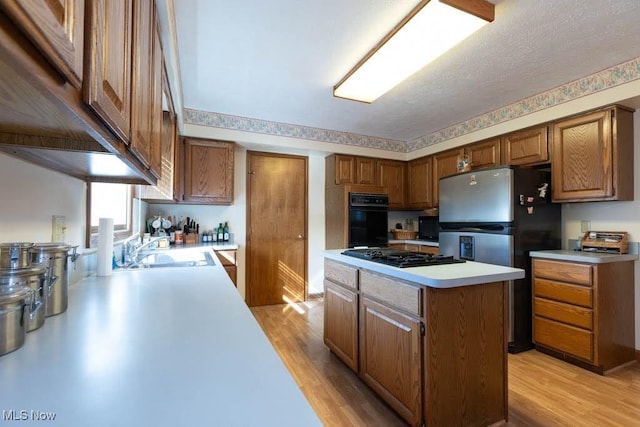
190	239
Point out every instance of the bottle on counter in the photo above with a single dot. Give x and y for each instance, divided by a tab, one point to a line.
225	232
220	233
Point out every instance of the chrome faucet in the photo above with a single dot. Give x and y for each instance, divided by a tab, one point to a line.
128	246
132	251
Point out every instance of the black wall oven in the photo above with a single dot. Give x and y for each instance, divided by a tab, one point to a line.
368	221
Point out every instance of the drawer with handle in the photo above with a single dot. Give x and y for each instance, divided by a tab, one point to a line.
565	338
565	313
342	274
565	292
563	271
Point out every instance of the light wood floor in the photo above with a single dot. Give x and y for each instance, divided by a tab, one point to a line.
543	391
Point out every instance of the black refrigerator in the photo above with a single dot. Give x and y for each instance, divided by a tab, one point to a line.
497	216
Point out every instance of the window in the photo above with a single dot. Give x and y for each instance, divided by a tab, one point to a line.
108	200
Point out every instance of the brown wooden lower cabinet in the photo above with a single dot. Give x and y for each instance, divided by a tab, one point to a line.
584	313
341	311
229	262
341	322
436	356
391	357
427	249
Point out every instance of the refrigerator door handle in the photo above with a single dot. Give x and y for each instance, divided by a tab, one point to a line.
473	228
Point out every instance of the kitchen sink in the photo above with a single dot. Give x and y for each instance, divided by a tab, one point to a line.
161	258
169	264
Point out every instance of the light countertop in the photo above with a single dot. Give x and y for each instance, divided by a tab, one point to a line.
436	276
415	242
214	246
580	256
153	347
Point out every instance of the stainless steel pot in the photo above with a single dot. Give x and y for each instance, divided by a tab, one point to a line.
15	255
56	256
36	279
14	303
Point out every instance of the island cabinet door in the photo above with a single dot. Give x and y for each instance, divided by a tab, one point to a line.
391	358
466	355
341	323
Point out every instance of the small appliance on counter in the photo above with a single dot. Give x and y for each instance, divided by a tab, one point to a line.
428	228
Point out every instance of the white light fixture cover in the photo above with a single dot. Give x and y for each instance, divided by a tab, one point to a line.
434	28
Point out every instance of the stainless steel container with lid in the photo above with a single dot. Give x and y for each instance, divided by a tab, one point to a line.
15	255
56	256
36	279
14	312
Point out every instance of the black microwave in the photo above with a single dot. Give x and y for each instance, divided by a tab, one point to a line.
428	228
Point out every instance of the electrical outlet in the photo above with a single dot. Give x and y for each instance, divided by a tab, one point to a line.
585	226
58	228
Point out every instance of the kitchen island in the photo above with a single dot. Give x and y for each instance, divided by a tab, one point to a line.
152	347
431	341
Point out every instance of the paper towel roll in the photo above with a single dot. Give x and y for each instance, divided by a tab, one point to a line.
105	246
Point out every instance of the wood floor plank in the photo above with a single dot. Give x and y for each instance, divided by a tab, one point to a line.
543	391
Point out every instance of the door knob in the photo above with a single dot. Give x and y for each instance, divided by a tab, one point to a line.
300	237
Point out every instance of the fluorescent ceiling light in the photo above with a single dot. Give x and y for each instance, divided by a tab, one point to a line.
432	28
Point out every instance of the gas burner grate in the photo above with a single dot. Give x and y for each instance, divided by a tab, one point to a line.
401	258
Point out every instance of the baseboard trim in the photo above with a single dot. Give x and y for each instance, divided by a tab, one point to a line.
638	355
313	297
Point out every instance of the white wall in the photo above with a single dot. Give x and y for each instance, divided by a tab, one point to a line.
209	216
30	196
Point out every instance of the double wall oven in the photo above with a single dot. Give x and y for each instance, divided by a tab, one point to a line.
368	220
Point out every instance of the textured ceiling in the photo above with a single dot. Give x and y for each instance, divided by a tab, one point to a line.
278	60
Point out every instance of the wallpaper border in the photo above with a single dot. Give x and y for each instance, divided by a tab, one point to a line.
606	79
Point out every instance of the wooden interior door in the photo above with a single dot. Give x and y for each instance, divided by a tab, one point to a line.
276	228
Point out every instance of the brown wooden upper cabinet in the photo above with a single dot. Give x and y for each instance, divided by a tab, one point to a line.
340	169
164	191
56	28
593	157
142	81
419	180
392	175
208	171
346	169
484	154
123	74
366	170
107	71
178	168
157	114
93	69
444	163
526	147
